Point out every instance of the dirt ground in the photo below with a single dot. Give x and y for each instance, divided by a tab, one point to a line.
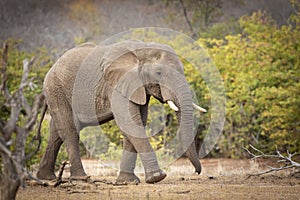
220	179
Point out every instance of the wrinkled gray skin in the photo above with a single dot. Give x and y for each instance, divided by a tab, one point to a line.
150	65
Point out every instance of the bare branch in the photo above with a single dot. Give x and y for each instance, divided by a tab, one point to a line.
194	35
261	154
256	149
271	170
4	64
36	180
21	171
39	99
61	169
17	101
10	127
60	173
2	124
4	149
13	172
287	161
23	84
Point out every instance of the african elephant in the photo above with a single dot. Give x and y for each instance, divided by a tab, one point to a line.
115	82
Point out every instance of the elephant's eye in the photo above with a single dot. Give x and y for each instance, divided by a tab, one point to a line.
158	74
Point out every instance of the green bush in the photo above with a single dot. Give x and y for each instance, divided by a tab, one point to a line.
260	68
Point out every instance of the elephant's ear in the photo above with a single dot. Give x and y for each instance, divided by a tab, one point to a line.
131	87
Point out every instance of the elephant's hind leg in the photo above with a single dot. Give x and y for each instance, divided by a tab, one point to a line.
46	169
68	132
62	117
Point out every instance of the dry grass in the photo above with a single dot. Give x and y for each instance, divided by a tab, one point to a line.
182	167
220	179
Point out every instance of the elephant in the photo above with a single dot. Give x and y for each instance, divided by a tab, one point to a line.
115	81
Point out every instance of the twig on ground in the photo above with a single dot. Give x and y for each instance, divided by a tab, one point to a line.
35	181
59	180
103	181
60	173
61	169
83	191
287	161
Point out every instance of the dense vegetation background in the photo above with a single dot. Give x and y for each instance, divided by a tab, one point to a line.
257	52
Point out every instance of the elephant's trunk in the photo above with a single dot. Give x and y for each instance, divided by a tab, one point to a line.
185	116
193	157
186	128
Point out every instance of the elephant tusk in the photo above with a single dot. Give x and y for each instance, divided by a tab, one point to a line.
199	108
172	105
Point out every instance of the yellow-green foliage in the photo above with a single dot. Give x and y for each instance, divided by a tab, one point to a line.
40	65
261	71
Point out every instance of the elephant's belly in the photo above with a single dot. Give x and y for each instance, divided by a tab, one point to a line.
95	120
105	117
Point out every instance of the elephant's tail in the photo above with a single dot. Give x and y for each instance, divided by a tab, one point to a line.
38	134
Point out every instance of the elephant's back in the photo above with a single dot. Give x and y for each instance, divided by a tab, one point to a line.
63	73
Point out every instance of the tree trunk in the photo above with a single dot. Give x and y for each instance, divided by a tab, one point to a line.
9	179
12	172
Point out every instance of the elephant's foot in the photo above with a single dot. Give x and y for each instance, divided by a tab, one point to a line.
79	175
80	178
155	176
45	175
126	177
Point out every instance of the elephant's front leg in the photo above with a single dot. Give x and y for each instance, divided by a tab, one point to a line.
153	173
127	165
137	141
130	118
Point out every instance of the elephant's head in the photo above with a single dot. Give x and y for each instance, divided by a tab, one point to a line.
153	69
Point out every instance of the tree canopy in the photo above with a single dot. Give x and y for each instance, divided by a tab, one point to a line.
260	67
